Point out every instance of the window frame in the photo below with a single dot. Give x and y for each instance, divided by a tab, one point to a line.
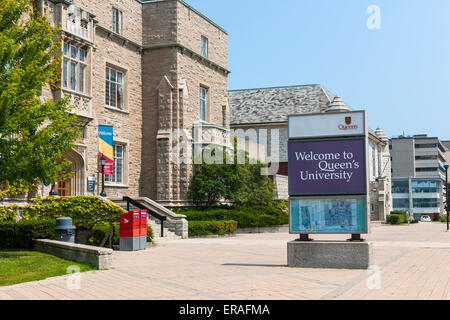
204	47
117	21
203	101
108	88
72	80
111	179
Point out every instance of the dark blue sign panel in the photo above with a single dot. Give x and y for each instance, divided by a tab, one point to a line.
327	167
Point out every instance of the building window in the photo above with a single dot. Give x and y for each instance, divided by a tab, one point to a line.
203	103
400	187
426	203
427	169
114	88
117	177
204	47
426	157
401	204
425	186
117	21
426	145
74	68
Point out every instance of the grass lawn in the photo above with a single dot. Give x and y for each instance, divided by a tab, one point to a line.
24	266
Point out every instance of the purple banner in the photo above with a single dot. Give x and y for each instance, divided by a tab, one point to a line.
327	167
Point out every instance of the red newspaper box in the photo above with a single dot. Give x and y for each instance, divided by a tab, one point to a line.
130	224
143	228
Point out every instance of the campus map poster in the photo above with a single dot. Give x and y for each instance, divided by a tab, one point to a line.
328	215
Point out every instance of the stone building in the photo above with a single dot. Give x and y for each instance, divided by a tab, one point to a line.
262	115
147	68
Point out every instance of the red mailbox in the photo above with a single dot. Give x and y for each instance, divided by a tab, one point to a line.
130	224
143	228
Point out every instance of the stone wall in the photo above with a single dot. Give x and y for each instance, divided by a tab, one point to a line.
172	76
159	51
131	15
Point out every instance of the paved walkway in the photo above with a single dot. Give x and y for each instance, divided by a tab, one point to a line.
411	262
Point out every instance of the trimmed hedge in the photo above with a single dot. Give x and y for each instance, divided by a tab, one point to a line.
20	235
206	228
99	232
396	218
256	216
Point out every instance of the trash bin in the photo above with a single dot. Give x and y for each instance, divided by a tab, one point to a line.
65	231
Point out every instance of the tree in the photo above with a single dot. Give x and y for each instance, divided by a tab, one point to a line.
33	133
240	184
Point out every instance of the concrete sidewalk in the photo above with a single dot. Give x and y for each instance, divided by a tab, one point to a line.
411	262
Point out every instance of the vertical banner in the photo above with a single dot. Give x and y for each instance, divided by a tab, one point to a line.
105	148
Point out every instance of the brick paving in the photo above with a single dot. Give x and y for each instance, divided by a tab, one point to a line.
413	263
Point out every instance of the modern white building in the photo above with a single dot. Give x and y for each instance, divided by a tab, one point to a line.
418	175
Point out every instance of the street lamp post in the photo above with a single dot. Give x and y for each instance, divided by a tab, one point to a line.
103	162
446	195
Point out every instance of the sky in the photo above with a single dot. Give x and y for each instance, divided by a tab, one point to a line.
399	73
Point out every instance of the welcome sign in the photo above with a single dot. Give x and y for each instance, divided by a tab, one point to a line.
327	167
328	186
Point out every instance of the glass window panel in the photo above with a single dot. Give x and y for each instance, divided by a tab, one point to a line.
107	74
66	49
73	52
120	96
82	55
113	94
119	20
81	78
114	20
73	76
65	73
113	75
107	98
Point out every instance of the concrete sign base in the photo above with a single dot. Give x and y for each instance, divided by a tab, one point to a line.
330	254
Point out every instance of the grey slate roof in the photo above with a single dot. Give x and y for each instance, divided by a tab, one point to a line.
272	105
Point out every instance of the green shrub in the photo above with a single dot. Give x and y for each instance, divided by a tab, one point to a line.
205	228
255	216
20	235
394	219
443	218
85	211
404	214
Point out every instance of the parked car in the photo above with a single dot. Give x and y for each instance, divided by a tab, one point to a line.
425	218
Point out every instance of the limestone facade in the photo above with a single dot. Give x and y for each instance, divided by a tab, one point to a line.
156	47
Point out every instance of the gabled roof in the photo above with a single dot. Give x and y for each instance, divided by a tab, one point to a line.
274	105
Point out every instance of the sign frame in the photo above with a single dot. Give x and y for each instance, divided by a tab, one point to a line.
333	137
356	197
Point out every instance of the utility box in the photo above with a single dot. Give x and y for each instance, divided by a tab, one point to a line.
65	231
143	229
130	229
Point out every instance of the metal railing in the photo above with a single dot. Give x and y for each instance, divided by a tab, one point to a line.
150	212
